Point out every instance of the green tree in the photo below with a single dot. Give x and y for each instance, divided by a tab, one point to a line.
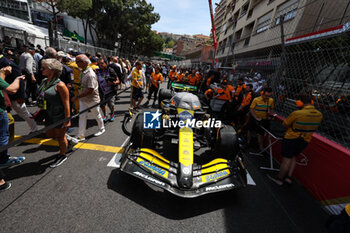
150	44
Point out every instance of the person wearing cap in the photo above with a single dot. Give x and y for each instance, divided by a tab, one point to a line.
93	63
67	73
300	124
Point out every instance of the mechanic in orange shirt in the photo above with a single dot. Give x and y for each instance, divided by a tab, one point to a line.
238	90
192	79
244	107
157	79
172	75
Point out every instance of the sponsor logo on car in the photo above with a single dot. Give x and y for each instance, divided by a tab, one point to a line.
215	176
152	167
149	178
214	188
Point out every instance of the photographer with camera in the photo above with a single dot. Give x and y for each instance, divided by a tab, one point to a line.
107	81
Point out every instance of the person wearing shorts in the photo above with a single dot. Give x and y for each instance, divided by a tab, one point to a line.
301	124
260	109
137	84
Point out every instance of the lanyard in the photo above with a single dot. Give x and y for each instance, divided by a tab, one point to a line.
47	85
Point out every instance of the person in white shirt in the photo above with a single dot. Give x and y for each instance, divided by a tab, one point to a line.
88	96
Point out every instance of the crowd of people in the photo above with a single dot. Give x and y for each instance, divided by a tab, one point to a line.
63	83
59	83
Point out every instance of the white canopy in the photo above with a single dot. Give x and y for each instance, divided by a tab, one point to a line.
23	26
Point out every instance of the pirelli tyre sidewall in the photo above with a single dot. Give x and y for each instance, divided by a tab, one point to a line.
227	142
141	138
164	94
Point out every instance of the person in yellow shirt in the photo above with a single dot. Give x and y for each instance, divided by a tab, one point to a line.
157	79
260	110
76	84
94	64
137	85
300	124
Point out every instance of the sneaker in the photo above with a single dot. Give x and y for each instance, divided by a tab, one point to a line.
288	180
80	138
5	186
70	146
112	118
12	161
100	132
275	179
59	160
104	118
71	139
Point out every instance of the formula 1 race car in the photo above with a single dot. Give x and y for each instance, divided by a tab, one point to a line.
179	148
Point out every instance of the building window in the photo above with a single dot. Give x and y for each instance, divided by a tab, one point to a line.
246	42
250	13
288	11
263	23
244	10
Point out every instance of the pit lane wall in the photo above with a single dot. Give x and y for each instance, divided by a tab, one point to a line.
323	169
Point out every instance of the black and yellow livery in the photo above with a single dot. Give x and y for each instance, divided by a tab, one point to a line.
186	161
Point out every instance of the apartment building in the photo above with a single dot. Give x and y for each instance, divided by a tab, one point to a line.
252	28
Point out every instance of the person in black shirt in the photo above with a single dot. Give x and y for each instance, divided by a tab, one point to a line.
18	99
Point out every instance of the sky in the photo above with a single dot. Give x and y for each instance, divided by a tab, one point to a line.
183	16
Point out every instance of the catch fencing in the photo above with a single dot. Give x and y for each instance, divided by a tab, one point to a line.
15	39
301	47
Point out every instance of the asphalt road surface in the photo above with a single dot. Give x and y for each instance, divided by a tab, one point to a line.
86	195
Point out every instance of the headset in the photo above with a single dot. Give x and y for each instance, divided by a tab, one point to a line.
300	103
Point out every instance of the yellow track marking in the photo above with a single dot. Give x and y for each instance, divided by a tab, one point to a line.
85	146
